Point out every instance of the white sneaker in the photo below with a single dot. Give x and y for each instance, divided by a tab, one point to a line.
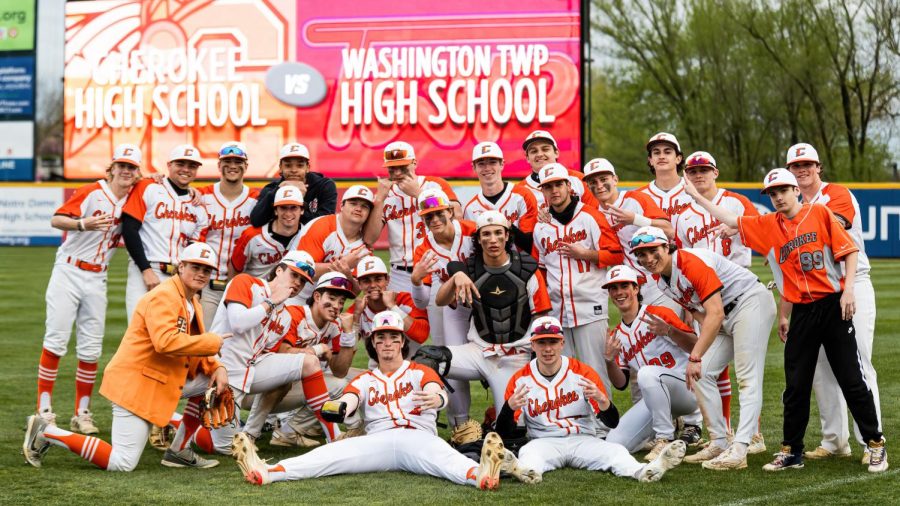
757	444
492	456
727	460
710	452
878	462
866	457
293	439
669	457
511	466
83	423
253	468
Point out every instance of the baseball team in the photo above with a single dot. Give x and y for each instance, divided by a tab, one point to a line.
266	293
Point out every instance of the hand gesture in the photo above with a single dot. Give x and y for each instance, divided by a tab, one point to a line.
300	185
573	251
342	265
280	292
346	320
151	280
389	297
384	186
848	303
723	231
423	267
100	222
591	391
656	324
692	375
426	400
613	347
359	306
466	292
543	215
620	215
410	186
519	398
690	189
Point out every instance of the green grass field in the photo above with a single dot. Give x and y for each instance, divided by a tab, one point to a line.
65	478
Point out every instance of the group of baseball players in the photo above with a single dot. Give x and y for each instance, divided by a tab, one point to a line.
267	293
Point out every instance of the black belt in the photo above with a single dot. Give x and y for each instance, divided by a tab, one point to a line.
401	268
218	285
731	305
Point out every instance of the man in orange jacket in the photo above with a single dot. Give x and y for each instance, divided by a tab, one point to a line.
165	355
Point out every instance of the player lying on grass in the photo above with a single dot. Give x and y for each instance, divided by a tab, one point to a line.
399	402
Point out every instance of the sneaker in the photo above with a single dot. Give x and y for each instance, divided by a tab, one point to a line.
727	460
35	445
823	453
492	456
253	468
669	457
293	439
658	446
187	458
162	437
352	432
691	435
785	460
757	444
710	452
510	465
48	415
83	423
878	462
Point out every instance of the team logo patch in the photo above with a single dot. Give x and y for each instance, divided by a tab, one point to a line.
188	152
800	151
598	310
181	325
127	152
485	149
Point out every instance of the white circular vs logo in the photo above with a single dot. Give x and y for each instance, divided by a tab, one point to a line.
296	84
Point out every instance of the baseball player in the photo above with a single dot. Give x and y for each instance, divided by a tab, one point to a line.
76	293
158	221
258	249
166	355
803	162
735	314
561	400
666	162
574	249
228	204
295	169
397	395
803	244
541	149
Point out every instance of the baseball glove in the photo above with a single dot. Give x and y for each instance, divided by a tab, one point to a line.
217	410
467	432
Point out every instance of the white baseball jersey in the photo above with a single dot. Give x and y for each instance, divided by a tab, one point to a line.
227	221
693	227
256	252
671	202
641	347
516	203
387	401
405	227
95	247
460	250
578	188
304	332
169	221
843	203
417	332
324	239
697	274
557	407
575	285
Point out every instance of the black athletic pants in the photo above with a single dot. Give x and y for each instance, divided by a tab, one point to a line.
817	324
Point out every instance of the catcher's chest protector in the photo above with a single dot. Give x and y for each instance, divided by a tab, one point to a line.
503	313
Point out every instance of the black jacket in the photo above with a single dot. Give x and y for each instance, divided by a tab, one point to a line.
320	200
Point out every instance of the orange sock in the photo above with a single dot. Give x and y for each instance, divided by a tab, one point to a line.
47	369
89	448
725	392
84	385
203	440
316	392
190	421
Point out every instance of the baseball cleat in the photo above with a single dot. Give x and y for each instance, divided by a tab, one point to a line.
35	445
492	456
252	467
83	423
727	460
669	457
710	452
757	444
658	446
48	415
824	453
785	459
691	435
186	458
878	462
293	439
161	437
511	466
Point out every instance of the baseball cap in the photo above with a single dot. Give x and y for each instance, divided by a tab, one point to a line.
300	262
802	152
127	153
546	327
200	253
486	150
293	150
778	177
700	159
621	274
553	172
398	153
288	195
539	135
185	152
647	237
664	137
598	166
337	282
359	191
387	320
233	149
491	218
369	265
432	200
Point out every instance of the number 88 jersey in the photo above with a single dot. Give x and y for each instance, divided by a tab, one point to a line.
641	347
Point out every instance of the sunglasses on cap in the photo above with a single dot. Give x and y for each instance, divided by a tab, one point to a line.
341	283
433	202
306	267
395	154
548	328
700	161
232	151
643	239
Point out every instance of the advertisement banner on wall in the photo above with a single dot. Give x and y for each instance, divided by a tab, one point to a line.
17	25
17	86
16	150
442	76
25	213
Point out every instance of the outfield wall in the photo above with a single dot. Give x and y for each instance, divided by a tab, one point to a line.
26	209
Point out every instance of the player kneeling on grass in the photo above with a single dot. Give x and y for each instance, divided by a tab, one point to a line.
561	398
397	395
165	356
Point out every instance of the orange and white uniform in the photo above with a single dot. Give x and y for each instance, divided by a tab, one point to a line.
460	250
304	333
256	251
693	227
671	202
578	188
417	332
515	202
324	239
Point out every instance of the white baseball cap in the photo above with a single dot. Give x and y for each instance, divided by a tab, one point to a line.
778	177
431	200
553	172
802	152
539	135
388	320
700	159
398	153
288	195
598	166
647	237
233	149
185	152
491	217
293	150
337	282
369	265
621	274
486	150
200	253
359	191
300	262
546	327
664	137
127	153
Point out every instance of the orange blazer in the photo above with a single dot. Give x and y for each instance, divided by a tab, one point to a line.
159	352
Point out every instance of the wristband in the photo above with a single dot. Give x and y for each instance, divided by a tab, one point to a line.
642	221
270	304
81	224
443	402
695	359
348	339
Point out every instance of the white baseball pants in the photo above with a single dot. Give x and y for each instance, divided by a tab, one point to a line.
135	287
587	343
579	451
75	296
469	363
209	301
449	327
401	281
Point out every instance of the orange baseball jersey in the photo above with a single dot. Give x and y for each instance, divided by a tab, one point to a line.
304	333
557	406
324	239
386	401
578	188
803	251
417	332
92	246
638	203
405	227
641	347
698	274
169	221
227	221
516	203
256	251
461	249
843	204
575	285
693	227
671	202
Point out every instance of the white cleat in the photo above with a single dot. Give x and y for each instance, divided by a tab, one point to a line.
35	445
252	467
48	415
671	456
492	456
710	452
511	466
757	444
83	423
727	460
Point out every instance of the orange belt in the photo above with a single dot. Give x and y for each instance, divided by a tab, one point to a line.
85	266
